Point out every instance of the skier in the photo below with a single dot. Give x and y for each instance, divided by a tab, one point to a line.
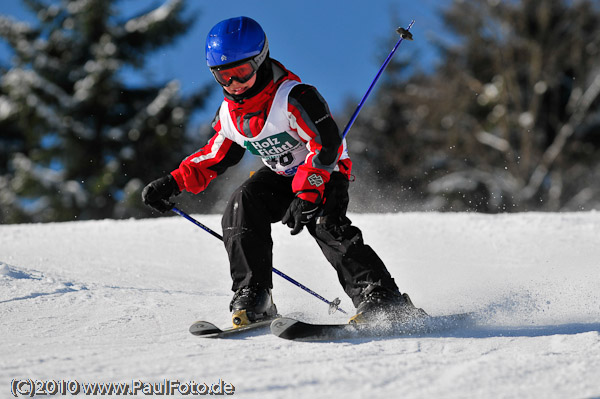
268	111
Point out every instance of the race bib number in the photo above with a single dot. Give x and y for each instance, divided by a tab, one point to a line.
280	152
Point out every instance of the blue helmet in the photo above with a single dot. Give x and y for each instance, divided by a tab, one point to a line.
234	40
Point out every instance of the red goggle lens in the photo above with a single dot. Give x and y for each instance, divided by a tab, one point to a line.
242	73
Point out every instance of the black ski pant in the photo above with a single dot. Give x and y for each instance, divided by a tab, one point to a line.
262	200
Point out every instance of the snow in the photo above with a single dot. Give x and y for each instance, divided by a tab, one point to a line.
111	301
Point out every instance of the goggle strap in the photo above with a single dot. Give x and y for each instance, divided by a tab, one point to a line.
263	53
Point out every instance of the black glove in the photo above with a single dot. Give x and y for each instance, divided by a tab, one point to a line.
299	213
157	193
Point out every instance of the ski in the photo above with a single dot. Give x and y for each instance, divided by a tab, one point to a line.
206	329
293	329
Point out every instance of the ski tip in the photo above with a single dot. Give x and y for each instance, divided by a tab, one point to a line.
281	324
204	328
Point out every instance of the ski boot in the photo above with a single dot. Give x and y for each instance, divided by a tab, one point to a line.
379	305
251	304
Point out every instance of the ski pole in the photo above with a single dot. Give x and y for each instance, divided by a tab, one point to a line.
197	223
404	34
333	305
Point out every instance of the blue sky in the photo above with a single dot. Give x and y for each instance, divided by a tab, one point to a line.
338	46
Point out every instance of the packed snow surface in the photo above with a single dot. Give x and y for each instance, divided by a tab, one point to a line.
111	301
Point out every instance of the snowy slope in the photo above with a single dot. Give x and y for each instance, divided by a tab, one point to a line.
111	301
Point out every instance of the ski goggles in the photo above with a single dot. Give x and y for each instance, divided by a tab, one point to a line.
241	73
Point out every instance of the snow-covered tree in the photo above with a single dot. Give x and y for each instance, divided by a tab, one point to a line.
510	118
527	78
77	141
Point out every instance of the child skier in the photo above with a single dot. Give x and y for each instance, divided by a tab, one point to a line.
268	111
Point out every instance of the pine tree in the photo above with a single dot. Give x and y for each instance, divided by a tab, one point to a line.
526	80
79	140
509	119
